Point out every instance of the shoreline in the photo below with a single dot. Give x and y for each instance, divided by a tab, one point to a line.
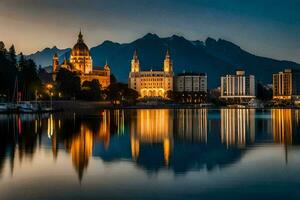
86	106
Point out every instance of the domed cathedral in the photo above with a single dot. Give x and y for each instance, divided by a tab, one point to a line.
81	62
80	57
151	84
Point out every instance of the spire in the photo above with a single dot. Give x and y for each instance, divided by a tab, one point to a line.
135	64
167	54
135	55
80	36
106	66
168	66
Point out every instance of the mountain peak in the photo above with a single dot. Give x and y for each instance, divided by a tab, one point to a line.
150	36
210	41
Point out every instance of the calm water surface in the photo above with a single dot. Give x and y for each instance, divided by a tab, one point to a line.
151	154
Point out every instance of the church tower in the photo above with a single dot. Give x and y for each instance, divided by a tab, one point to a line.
168	66
55	63
135	63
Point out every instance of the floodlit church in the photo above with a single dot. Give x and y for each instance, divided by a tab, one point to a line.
81	62
151	83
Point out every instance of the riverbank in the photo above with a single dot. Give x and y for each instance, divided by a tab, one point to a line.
84	106
91	107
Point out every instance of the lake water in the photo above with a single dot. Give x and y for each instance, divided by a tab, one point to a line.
151	154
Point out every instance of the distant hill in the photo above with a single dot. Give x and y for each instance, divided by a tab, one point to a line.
44	57
214	57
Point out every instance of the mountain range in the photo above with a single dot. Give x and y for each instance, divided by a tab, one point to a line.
214	57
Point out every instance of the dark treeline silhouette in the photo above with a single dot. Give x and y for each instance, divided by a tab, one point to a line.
23	70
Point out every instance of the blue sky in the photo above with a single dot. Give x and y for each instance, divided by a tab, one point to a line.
264	27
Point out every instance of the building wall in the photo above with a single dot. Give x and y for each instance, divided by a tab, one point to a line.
238	86
151	83
103	80
190	83
286	84
84	64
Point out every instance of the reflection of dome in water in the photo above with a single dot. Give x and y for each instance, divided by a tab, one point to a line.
81	150
80	48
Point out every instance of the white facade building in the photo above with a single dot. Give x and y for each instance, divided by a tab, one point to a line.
238	86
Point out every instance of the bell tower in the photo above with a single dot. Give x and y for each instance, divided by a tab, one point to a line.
135	63
168	66
55	63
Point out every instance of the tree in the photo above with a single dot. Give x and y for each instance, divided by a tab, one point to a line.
68	83
113	79
119	92
12	55
91	90
7	72
3	51
29	81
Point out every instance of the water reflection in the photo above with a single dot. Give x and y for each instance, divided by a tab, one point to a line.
177	140
285	126
191	125
236	126
151	127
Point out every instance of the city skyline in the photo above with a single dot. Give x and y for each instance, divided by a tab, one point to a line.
255	26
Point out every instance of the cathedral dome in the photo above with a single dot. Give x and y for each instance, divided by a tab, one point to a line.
80	48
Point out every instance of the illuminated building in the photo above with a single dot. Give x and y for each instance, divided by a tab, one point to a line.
286	85
191	82
151	83
81	62
238	86
237	125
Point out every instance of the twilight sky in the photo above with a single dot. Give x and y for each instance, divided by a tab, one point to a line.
264	27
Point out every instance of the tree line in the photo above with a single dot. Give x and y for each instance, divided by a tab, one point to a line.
17	75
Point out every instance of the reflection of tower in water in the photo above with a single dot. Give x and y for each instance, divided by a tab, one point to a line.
151	127
191	124
236	126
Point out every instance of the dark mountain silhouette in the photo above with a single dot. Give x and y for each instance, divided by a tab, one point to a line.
214	57
44	57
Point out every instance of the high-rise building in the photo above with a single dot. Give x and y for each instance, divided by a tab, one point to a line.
190	82
286	85
238	87
151	83
81	62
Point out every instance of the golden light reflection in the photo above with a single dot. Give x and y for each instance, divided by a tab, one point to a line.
119	121
50	126
235	125
191	124
282	126
104	130
81	149
152	127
